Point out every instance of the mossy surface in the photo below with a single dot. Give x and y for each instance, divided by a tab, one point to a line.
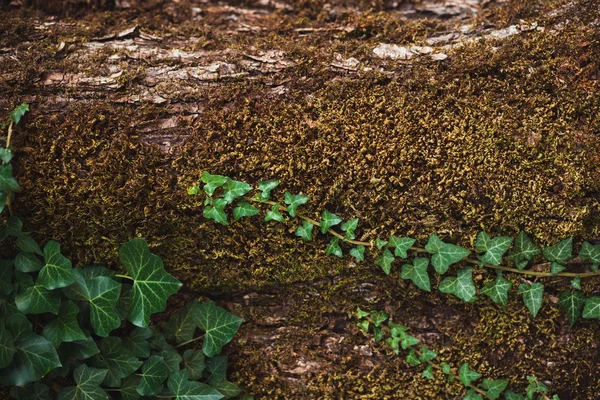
502	136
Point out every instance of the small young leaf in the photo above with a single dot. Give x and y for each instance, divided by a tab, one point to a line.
379	316
428	372
265	188
363	325
274	214
58	271
417	272
14	226
426	354
523	251
407	340
461	286
7	181
401	245
535	386
446	369
328	220
590	252
293	201
18	112
576	283
555	267
349	227
154	372
561	252
380	243
235	189
358	252
572	303
497	290
510	395
334	248
305	231
472	395
532	296
466	375
360	313
494	387
378	334
212	182
219	326
385	260
495	250
244	209
412	359
394	343
592	307
218	214
483	241
444	254
193	190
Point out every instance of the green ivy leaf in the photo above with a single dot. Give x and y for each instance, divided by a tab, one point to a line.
219	326
33	391
380	243
532	296
393	342
58	271
407	340
417	272
472	395
349	227
154	372
510	395
555	268
328	220
171	357
401	245
235	189
137	342
334	248
244	209
88	385
535	386
26	243
65	327
217	366
193	190
7	347
523	251
561	252
590	252
360	313
428	372
37	300
497	290
495	250
293	201
576	283
18	325
466	375
358	252
216	212
265	188
7	182
227	389
128	388
363	325
305	231
592	307
116	359
444	254
78	350
378	334
14	226
427	355
212	182
34	358
412	359
379	317
572	303
184	389
461	286
18	112
483	241
494	387
446	369
384	260
151	286
182	326
27	262
6	271
193	362
274	214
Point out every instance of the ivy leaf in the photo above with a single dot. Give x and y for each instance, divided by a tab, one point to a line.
293	201
88	385
37	300
58	271
378	316
428	372
26	243
358	252
34	358
182	326
6	271
401	245
18	112
19	326
219	326
154	372
510	395
151	286
556	268
444	254
407	340
212	182
227	389
265	188
32	391
349	227
184	389
193	190
235	189
328	220
426	354
497	290
466	375
137	342
573	304
417	272
495	250
27	262
334	248
384	260
216	212
360	313
171	357
592	307
378	334
78	350
590	252
116	359
7	348
274	214
128	388
494	387
576	283
193	363
523	251
532	296
244	209
380	243
461	286
14	226
472	395
446	369
363	325
217	366
7	182
65	327
412	359
483	241
305	231
561	252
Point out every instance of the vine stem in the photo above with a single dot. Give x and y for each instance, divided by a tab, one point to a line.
8	137
190	341
422	250
124	277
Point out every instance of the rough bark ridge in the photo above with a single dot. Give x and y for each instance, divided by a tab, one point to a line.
419	117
